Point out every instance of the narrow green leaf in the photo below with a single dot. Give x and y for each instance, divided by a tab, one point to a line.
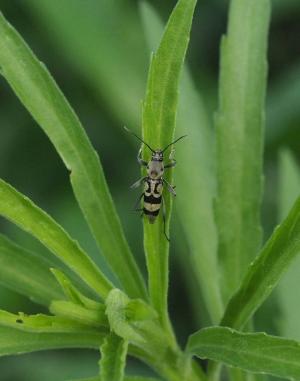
97	378
159	113
289	186
20	210
98	50
126	378
194	178
254	352
139	378
265	272
72	293
239	126
14	341
113	358
39	93
80	314
41	323
26	273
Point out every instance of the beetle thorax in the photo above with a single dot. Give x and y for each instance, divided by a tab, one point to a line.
155	167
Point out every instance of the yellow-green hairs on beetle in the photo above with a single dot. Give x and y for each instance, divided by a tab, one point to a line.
154	182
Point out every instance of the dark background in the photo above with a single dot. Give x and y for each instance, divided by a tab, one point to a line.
97	52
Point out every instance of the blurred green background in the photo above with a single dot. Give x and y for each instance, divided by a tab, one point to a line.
97	52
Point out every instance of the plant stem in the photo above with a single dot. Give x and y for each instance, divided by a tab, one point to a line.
214	371
180	368
173	366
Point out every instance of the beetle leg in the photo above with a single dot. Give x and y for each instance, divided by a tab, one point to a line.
164	217
140	160
138	183
170	188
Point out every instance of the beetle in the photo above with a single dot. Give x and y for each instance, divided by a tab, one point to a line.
154	182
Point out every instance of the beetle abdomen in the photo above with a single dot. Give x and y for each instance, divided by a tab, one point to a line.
152	198
151	214
152	207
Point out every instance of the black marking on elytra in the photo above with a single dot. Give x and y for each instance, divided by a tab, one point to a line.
148	190
156	191
152	199
19	321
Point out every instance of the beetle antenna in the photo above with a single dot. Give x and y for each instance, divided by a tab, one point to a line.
181	137
132	133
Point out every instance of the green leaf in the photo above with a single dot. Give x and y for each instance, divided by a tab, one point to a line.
159	113
126	378
79	313
24	272
139	378
40	323
97	378
72	293
254	352
39	93
14	341
289	186
20	210
265	272
97	51
196	186
239	127
113	358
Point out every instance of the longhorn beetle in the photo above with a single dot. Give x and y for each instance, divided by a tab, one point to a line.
154	182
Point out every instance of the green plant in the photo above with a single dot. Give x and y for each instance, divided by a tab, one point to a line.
90	311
